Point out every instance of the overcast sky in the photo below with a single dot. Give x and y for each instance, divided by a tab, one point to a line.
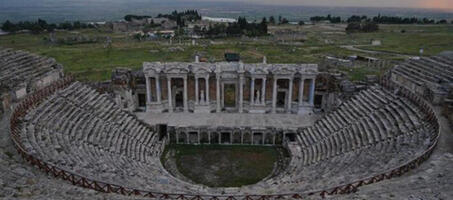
442	4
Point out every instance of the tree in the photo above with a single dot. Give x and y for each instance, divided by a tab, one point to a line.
180	21
9	27
369	27
36	29
65	25
356	18
443	21
76	25
263	26
362	27
197	29
51	27
43	24
272	20
242	22
353	27
284	21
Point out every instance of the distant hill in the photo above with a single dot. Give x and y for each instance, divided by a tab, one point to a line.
106	10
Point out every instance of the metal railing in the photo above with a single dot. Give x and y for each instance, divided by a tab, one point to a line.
34	99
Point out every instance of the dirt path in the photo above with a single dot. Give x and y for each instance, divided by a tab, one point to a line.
355	48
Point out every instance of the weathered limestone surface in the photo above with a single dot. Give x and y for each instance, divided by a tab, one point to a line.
23	72
252	93
82	131
232	120
429	77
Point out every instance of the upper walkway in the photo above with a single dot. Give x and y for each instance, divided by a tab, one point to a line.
279	121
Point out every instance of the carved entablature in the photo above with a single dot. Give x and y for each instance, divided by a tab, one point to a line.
229	70
229	75
283	70
308	70
226	67
202	69
257	69
152	69
176	68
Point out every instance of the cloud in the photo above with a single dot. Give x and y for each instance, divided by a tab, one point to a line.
442	4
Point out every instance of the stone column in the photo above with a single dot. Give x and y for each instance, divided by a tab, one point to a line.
170	105
242	137
274	95
186	107
148	90
196	91
263	92
241	93
158	90
290	95
301	91
207	90
312	92
218	93
209	137
198	134
252	91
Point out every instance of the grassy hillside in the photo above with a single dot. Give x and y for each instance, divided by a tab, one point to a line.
93	61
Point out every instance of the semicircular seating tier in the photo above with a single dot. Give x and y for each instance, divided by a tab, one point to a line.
23	72
83	132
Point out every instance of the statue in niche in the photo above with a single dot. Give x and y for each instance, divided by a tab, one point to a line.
202	98
257	98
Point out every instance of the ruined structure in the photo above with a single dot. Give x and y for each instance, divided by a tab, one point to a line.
429	77
229	87
72	131
78	134
23	73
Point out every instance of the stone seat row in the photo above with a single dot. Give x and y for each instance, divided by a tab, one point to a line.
95	122
25	66
88	143
89	100
83	132
432	69
334	147
346	115
386	122
353	165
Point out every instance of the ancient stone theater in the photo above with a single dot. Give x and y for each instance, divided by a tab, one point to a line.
110	137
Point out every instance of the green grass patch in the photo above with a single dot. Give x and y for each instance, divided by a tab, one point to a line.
224	166
359	73
94	62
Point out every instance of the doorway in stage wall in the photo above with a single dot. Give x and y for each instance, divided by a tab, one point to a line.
318	100
229	96
141	100
281	99
282	94
179	99
178	94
